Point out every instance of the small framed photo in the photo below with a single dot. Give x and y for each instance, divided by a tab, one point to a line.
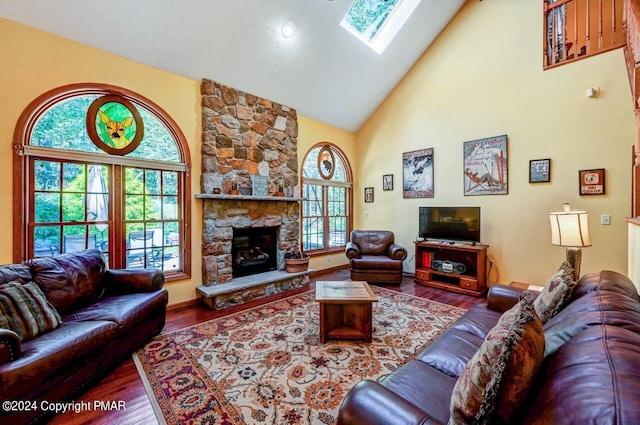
592	182
387	182
368	194
539	171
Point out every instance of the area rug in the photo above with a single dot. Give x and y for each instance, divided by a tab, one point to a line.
266	365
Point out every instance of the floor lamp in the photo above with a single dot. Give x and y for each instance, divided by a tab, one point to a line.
571	230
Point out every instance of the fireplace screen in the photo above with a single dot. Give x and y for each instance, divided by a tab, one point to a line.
254	250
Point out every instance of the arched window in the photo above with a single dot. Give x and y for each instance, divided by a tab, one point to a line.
327	204
102	167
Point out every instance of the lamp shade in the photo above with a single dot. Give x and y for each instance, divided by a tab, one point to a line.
570	228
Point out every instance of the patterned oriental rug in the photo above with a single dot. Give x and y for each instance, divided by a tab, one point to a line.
266	365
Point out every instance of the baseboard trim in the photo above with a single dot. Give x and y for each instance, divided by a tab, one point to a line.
316	273
183	304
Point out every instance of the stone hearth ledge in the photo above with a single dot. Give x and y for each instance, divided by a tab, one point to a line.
242	289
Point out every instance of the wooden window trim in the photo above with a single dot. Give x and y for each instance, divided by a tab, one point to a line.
21	139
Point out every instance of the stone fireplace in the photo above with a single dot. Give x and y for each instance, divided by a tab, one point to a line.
245	136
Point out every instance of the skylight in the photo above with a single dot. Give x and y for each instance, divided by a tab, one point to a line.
376	22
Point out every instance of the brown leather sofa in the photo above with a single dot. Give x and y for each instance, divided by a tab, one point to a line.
375	257
590	375
106	314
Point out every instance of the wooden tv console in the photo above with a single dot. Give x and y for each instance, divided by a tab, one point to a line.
473	281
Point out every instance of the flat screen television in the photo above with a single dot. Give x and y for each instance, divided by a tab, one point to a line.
449	223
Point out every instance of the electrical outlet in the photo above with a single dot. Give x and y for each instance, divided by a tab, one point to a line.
605	219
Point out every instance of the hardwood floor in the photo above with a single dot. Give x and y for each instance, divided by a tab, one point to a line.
124	383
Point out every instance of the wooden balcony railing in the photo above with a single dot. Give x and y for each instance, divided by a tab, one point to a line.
632	58
576	29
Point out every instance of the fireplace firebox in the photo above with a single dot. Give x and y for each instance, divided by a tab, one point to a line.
254	250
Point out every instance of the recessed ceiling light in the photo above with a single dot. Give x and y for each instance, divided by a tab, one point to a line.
288	29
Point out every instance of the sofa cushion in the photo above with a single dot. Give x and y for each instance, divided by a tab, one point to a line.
70	281
372	242
126	311
423	386
52	357
500	373
25	310
556	293
451	351
11	272
478	320
592	379
377	262
592	309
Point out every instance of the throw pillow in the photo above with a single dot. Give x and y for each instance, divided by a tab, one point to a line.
556	293
25	310
498	376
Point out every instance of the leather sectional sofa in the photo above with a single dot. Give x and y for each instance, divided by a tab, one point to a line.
105	315
590	372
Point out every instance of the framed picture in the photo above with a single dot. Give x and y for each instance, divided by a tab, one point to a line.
368	194
326	162
417	174
539	170
387	182
592	182
485	166
114	125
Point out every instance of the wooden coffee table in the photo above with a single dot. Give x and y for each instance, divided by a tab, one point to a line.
345	309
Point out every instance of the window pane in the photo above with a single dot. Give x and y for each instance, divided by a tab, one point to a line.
310	166
134	207
152	182
158	143
313	233
46	241
47	175
139	246
171	233
170	183
64	126
153	208
47	207
76	239
312	206
72	207
101	234
337	231
73	177
337	200
170	208
171	259
133	180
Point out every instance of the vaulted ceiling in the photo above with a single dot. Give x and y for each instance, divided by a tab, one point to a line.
322	71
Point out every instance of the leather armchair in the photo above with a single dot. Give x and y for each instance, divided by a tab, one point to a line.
375	257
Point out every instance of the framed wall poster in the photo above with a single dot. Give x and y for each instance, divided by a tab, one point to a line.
387	182
417	174
485	166
592	182
368	194
539	170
